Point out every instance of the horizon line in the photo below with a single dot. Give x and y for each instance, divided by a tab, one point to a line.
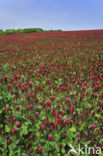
53	29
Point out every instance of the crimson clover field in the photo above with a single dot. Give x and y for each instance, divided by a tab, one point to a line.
51	92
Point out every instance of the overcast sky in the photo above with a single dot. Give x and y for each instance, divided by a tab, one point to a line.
51	14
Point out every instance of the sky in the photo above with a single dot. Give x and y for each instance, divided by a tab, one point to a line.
51	14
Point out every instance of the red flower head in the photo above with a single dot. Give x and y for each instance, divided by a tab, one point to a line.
68	99
49	102
50	137
13	131
31	106
5	78
55	124
37	114
39	149
18	124
42	127
30	83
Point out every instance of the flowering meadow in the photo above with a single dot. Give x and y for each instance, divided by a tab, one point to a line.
51	92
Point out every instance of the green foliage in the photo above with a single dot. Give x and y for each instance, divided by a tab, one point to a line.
1	32
26	30
29	30
10	31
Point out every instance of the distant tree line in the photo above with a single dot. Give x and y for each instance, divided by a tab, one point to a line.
19	31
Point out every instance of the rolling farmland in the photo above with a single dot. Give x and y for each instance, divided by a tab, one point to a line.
51	92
